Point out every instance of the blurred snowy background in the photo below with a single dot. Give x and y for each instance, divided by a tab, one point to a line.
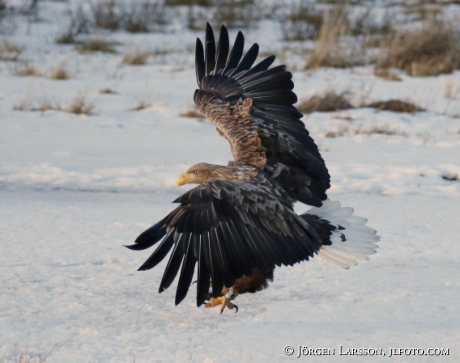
97	121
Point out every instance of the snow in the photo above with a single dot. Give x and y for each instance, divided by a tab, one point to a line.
66	279
75	189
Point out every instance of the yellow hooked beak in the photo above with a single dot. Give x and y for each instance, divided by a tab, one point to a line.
184	179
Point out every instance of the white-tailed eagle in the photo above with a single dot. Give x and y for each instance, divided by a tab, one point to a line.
239	222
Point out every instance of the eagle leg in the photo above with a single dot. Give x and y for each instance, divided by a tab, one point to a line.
223	301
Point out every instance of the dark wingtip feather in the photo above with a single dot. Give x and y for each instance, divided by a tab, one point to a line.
149	237
159	254
200	67
181	249
261	66
222	49
267	62
237	52
155	232
135	247
210	50
248	60
203	278
186	274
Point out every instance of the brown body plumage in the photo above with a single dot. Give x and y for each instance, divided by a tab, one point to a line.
256	282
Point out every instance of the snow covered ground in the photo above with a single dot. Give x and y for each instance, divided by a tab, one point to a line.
74	189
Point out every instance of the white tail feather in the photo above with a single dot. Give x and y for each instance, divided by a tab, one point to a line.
359	239
332	253
331	260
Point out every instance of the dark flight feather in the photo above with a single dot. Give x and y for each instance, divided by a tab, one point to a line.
210	50
186	273
203	275
235	54
229	229
149	237
247	61
174	262
200	67
222	50
159	254
261	66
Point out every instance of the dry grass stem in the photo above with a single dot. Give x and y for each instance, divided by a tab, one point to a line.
232	13
59	73
136	16
96	45
158	52
25	101
424	9
106	14
25	69
341	132
144	16
143	104
29	103
451	90
330	49
366	130
236	13
81	106
346	117
143	101
9	51
427	137
79	23
330	101
192	112
431	50
136	57
177	69
28	357
380	130
396	106
452	109
42	106
300	21
450	177
188	2
108	91
387	74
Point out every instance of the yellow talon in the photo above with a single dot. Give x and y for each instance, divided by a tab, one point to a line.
222	301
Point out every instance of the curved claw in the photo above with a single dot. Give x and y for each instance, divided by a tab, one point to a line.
236	308
222	302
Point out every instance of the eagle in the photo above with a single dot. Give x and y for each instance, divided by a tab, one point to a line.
239	223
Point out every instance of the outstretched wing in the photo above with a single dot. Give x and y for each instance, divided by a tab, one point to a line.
229	229
252	107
